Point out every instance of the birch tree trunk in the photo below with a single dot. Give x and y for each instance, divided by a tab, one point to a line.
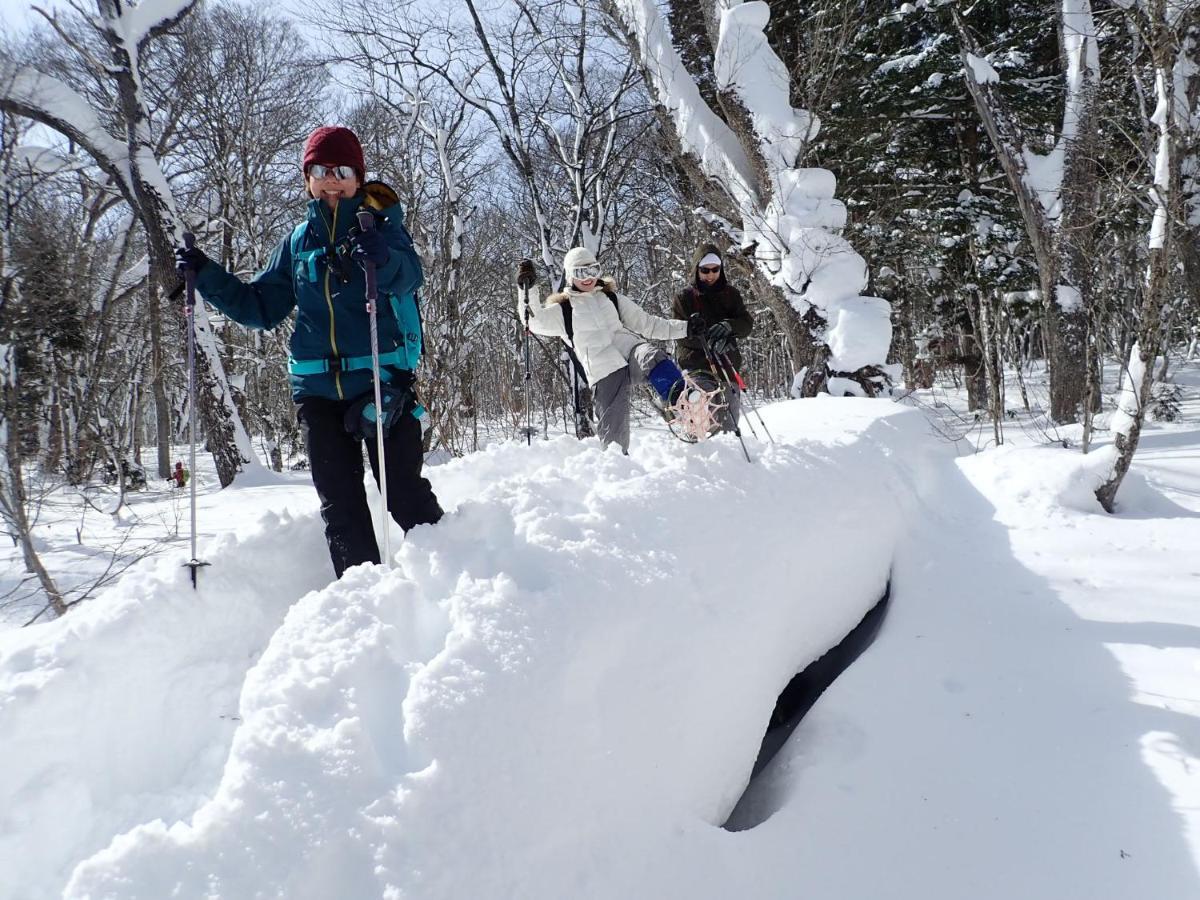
1171	37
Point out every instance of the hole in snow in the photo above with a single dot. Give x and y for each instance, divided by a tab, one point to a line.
796	700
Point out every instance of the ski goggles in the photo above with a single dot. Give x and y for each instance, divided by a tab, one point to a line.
316	170
585	273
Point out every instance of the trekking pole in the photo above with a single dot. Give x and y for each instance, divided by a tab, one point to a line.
528	375
189	282
746	394
714	364
711	357
366	222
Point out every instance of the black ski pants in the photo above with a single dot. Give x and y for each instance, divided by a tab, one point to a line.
335	457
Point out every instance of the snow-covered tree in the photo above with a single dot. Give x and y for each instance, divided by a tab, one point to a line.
927	200
726	100
1170	32
121	141
1056	191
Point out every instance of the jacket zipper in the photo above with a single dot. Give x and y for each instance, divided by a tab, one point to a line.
337	375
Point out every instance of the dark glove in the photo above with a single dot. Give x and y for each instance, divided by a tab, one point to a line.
189	259
695	325
370	246
526	276
719	332
720	337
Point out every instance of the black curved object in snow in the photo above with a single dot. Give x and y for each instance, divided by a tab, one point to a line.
804	689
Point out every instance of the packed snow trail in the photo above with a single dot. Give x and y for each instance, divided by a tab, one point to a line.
578	663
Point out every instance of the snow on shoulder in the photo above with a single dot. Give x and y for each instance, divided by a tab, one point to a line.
560	689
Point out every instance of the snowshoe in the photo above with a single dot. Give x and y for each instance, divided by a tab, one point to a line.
696	410
691	407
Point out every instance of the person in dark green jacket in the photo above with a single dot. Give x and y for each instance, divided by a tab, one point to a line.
725	319
317	272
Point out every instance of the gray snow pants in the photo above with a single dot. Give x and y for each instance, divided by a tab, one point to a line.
611	394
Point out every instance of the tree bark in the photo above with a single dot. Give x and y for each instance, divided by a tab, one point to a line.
1061	242
1173	54
158	390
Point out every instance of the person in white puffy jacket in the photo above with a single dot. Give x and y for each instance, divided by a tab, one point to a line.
608	334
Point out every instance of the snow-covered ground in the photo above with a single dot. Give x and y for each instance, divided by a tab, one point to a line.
559	691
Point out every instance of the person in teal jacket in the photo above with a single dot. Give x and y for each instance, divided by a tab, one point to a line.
317	272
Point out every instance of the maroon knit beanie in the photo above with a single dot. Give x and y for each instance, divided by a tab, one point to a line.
333	145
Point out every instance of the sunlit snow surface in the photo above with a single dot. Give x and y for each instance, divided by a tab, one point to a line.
559	691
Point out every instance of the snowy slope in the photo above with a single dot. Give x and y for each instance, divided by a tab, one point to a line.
1030	721
560	689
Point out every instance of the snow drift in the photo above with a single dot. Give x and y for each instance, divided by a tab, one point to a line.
560	691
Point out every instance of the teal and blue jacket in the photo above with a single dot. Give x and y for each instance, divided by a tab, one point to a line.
331	346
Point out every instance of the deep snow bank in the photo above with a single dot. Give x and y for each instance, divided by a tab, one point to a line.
560	690
125	709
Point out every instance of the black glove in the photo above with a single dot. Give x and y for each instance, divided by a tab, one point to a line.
189	259
526	276
719	332
370	246
720	337
695	325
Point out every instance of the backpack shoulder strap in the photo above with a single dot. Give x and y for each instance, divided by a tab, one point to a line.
568	314
297	240
568	325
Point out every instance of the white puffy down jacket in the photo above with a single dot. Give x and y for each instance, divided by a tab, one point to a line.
602	340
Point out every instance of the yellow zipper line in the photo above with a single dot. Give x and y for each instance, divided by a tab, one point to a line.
337	376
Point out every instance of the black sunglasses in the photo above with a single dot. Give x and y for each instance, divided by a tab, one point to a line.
709	270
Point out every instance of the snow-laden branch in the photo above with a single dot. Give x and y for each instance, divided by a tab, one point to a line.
746	65
147	20
1040	174
45	99
702	133
1044	172
794	229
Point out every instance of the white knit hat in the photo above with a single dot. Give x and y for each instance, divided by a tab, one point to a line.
577	257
